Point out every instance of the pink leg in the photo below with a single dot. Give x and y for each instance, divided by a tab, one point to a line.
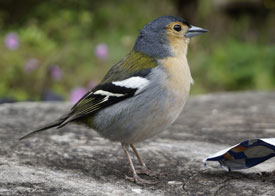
135	177
144	169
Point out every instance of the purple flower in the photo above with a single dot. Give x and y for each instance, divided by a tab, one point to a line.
101	51
77	93
56	72
31	65
11	41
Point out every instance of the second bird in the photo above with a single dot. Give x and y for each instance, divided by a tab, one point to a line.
141	95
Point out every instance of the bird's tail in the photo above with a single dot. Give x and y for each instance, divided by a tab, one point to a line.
58	123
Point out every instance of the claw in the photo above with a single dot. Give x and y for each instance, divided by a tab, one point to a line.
146	171
140	181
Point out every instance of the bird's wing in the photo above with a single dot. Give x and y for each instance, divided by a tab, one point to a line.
107	94
119	84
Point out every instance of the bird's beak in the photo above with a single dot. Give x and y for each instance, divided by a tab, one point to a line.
194	31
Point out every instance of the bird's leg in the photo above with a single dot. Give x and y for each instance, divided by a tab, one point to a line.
144	169
135	177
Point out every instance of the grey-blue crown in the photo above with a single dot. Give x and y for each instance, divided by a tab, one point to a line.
152	40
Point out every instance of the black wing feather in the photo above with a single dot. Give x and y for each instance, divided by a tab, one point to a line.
92	103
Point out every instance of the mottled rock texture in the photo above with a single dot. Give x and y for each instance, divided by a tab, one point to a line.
76	161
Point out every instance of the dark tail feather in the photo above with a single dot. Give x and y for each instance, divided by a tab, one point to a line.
51	125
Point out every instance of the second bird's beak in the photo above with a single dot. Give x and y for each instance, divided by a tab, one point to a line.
194	31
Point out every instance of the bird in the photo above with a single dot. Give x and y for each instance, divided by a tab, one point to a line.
142	94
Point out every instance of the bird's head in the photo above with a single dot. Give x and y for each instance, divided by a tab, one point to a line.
166	36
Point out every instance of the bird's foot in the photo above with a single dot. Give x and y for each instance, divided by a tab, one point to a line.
148	172
140	181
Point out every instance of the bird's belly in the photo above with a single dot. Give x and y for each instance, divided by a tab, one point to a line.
159	119
140	117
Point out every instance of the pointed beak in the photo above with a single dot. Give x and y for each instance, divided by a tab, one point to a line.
194	31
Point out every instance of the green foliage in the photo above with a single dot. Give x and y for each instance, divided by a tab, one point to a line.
62	34
234	65
65	34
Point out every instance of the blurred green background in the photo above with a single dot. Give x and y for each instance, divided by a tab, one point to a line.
57	49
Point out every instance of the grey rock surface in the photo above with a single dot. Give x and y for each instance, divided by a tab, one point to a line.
76	161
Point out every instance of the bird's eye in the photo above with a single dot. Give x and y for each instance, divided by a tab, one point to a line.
177	27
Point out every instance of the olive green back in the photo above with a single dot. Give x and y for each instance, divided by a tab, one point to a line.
132	63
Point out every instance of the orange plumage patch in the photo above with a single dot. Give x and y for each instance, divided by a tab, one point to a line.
239	149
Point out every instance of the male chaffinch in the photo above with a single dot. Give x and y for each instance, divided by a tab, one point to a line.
143	93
